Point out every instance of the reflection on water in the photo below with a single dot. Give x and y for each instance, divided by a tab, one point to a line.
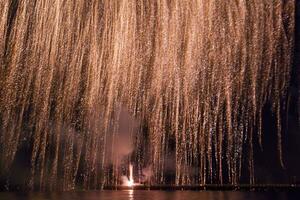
131	194
153	195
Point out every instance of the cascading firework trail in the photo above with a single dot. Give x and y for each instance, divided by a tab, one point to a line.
196	74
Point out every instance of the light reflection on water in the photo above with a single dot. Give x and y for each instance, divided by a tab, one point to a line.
131	194
153	195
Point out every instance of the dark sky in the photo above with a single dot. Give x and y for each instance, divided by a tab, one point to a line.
267	162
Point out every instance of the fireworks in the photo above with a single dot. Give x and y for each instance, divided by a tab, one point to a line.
194	77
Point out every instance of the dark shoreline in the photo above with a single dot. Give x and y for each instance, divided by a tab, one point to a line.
207	187
212	187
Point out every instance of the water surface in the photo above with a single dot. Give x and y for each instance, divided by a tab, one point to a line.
154	195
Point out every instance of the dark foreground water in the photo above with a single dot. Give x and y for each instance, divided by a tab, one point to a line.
154	195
